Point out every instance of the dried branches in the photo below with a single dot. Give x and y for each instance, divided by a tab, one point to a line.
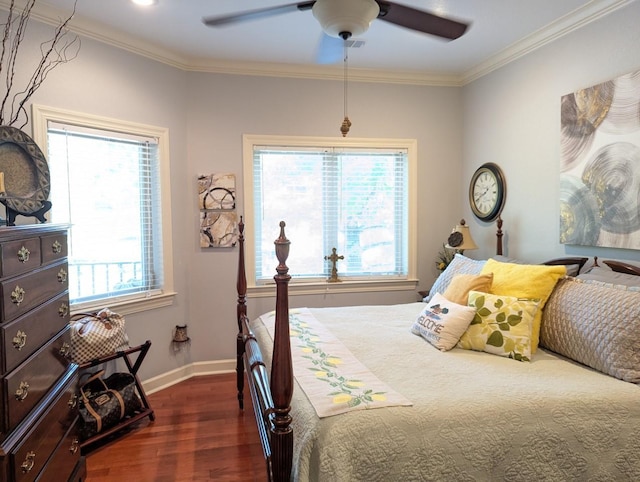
58	50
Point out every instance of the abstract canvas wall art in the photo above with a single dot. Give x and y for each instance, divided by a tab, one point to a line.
217	191
217	204
600	164
218	229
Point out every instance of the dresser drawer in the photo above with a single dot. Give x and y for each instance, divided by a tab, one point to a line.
64	459
30	456
53	247
29	382
23	336
19	256
22	293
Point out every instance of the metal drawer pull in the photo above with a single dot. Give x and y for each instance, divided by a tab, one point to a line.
17	295
62	275
73	401
65	350
63	311
20	340
23	254
56	247
75	444
28	463
22	391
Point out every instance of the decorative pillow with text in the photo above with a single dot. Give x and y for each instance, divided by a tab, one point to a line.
442	322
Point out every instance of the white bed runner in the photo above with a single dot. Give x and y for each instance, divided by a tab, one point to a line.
331	377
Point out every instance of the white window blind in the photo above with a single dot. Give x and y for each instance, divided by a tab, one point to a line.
106	185
353	199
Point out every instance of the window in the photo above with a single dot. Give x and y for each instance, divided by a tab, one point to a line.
352	195
107	183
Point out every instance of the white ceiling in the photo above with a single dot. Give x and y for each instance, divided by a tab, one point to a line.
172	32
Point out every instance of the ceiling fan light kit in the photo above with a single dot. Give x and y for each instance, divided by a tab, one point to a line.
339	17
145	3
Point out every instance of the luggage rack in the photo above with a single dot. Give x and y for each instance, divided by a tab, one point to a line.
133	368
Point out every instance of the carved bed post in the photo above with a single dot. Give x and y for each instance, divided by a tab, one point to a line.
499	237
241	311
282	369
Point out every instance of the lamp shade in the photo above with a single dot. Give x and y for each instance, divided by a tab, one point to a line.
338	16
460	238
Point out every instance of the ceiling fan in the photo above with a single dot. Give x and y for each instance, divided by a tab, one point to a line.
341	19
345	18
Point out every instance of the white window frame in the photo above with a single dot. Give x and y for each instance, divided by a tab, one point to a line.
138	302
297	287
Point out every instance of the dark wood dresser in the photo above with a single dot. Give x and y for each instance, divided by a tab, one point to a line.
38	396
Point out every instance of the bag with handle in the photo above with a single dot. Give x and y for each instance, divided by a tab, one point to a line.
95	335
105	402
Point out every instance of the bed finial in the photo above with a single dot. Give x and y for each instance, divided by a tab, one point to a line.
282	250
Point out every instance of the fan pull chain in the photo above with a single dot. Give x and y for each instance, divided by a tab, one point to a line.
346	123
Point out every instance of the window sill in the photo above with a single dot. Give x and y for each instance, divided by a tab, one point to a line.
126	307
316	288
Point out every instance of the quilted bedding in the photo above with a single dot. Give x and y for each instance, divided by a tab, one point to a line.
475	416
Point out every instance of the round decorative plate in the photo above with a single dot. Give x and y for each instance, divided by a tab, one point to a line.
26	173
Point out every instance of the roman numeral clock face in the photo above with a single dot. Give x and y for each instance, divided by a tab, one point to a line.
487	192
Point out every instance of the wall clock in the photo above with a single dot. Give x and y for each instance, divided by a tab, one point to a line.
487	192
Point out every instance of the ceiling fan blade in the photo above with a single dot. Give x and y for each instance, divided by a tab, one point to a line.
330	49
217	21
420	20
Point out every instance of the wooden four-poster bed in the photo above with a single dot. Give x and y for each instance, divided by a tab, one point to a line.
559	420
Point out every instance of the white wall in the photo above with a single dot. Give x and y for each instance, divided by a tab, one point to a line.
110	82
512	117
207	114
223	107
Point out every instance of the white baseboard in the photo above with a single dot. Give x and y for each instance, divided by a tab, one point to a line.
195	369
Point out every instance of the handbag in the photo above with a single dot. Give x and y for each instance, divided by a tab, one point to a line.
104	403
95	335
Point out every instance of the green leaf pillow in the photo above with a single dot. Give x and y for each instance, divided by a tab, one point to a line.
501	326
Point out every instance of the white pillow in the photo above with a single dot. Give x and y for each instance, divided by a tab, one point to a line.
442	322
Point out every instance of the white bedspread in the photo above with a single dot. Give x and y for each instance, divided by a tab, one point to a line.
476	417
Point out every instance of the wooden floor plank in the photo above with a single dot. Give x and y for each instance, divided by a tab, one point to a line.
199	434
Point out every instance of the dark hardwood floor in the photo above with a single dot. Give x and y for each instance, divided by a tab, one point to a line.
199	434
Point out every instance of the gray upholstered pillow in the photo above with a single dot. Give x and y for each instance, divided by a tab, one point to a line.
595	324
460	264
606	275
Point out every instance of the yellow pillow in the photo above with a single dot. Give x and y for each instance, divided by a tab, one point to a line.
461	284
525	281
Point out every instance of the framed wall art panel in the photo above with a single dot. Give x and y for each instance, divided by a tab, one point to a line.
217	204
600	164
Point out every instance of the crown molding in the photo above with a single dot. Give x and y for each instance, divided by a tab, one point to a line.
580	17
325	73
571	22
